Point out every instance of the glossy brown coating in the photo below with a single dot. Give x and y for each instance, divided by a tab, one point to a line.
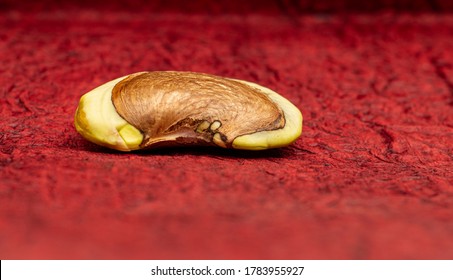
186	108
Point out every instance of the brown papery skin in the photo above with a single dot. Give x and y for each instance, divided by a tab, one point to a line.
167	107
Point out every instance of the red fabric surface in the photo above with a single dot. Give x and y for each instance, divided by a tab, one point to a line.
370	178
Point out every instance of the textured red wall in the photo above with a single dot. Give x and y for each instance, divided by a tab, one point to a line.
370	178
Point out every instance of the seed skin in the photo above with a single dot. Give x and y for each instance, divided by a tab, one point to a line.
172	105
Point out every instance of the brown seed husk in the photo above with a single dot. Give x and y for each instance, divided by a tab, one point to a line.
167	107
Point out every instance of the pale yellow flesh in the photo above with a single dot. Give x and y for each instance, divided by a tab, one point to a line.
97	120
275	138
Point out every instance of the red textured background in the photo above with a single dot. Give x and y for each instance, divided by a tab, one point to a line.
370	178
